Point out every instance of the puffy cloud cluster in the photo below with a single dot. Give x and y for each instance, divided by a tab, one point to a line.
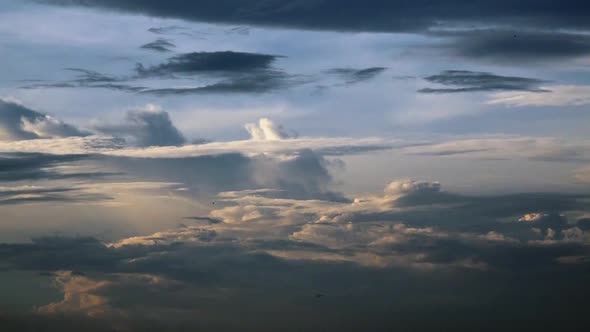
20	123
266	130
147	127
275	245
410	187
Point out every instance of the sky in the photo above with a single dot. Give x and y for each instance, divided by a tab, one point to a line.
308	165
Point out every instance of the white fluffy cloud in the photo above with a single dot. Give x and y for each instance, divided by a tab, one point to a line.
266	130
410	186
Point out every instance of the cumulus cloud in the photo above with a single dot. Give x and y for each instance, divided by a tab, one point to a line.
266	130
148	127
410	187
20	123
269	243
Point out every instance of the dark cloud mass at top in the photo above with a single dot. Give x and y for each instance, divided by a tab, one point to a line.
534	23
349	15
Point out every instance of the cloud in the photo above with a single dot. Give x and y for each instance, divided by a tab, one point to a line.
492	30
210	62
86	76
159	45
172	29
232	72
353	76
20	123
404	235
469	81
238	72
147	127
510	45
562	95
255	82
377	15
269	243
303	174
266	130
410	187
32	194
78	296
37	166
507	147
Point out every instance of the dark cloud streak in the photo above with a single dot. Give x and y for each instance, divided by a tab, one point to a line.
159	45
469	81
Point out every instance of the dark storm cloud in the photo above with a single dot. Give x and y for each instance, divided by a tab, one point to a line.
210	62
146	128
352	76
348	15
159	45
469	81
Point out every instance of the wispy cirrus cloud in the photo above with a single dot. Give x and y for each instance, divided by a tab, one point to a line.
562	95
